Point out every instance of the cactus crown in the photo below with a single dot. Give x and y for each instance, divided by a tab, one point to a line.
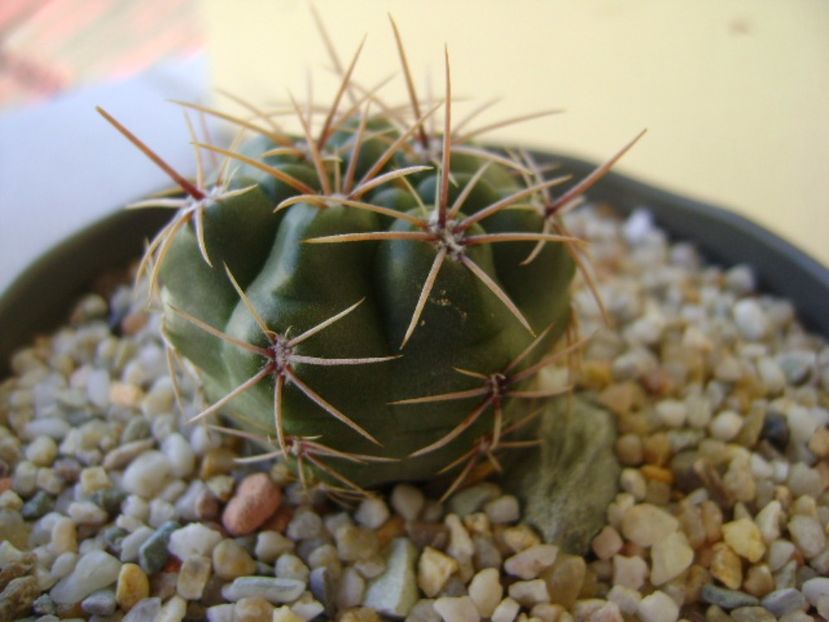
373	299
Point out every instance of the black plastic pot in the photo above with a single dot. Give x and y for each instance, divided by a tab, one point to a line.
40	298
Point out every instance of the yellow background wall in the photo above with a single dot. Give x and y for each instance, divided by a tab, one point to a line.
735	94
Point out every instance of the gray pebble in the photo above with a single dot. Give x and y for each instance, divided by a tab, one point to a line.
40	504
324	588
146	610
100	603
727	599
472	499
153	553
781	602
272	589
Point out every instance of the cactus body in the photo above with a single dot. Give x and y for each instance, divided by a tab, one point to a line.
295	285
371	302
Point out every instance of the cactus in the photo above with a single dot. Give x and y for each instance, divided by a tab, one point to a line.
372	299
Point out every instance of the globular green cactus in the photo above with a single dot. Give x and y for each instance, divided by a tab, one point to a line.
369	299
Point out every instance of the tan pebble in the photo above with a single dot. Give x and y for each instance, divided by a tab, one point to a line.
256	498
629	449
629	571
564	579
696	578
759	581
94	478
519	538
726	566
530	562
547	612
252	609
134	322
486	591
193	576
217	461
460	609
133	586
670	557
529	593
819	443
391	529
711	521
433	570
230	560
744	537
460	544
284	614
123	394
621	398
607	543
657	449
477	523
357	614
659	474
645	524
690	519
595	374
356	543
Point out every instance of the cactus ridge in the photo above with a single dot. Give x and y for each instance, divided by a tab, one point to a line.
425	277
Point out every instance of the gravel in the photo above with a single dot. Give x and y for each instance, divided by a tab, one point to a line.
111	505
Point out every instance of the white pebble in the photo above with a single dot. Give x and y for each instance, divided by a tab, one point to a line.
372	512
407	501
503	510
530	562
815	589
506	611
486	591
42	451
658	607
94	571
270	545
529	593
179	454
147	474
193	539
672	413
131	543
750	319
97	388
726	425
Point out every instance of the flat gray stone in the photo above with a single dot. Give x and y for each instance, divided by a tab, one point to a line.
566	485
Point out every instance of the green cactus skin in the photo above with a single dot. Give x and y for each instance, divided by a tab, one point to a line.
428	327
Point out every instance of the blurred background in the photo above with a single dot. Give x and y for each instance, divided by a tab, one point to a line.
734	93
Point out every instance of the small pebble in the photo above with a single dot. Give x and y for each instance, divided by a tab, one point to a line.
256	499
531	561
273	589
781	602
230	560
486	591
372	512
153	553
133	586
193	576
407	501
460	609
658	607
93	571
433	570
193	539
645	524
